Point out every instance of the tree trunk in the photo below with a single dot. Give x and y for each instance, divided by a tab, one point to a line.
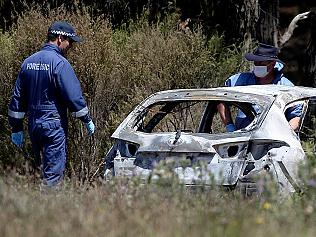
247	15
250	20
267	25
310	72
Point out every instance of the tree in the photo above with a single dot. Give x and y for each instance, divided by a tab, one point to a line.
310	75
268	21
256	20
239	20
302	29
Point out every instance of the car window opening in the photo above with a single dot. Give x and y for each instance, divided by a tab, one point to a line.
192	116
307	132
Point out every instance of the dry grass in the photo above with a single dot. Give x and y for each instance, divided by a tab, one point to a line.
129	209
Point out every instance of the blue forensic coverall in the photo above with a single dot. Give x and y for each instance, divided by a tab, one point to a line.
45	88
248	78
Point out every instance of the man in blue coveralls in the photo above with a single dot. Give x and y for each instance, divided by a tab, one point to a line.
45	89
267	70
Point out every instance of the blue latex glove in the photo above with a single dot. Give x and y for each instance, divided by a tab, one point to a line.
230	127
18	138
90	127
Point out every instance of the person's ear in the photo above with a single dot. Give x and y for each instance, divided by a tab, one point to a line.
59	40
271	65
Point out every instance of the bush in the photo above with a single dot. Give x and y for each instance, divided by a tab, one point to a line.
117	69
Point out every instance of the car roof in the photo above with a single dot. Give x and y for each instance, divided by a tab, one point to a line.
259	94
238	93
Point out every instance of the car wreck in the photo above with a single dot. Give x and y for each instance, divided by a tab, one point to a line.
183	128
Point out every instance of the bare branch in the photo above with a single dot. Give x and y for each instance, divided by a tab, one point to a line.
289	32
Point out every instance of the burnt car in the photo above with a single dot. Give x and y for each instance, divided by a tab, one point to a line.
183	127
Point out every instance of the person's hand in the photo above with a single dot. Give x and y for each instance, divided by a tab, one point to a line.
18	138
230	127
90	128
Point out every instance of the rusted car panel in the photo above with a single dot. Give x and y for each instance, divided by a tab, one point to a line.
183	128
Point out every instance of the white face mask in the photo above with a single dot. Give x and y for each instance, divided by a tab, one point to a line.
260	71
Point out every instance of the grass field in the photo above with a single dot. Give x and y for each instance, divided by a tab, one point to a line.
126	208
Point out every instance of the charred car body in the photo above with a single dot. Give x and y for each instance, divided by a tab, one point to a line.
183	126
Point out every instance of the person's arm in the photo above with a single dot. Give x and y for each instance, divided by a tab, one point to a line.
71	92
17	110
224	113
293	115
223	108
295	123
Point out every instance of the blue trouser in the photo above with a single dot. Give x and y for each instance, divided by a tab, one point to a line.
49	138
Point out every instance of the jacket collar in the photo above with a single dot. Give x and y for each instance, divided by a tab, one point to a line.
52	47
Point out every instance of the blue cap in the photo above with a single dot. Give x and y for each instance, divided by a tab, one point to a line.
65	29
